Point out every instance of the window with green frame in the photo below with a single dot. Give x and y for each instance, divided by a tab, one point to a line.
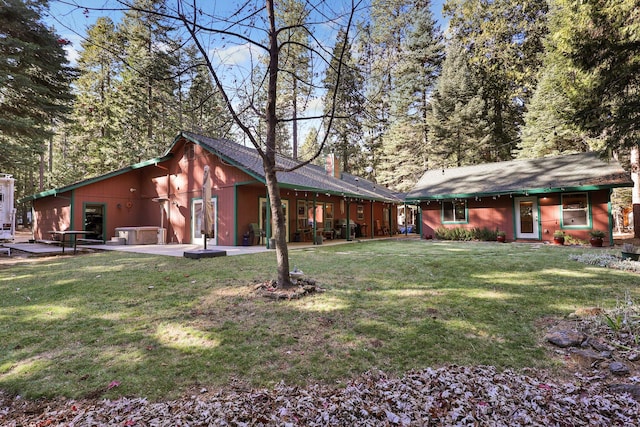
575	210
454	211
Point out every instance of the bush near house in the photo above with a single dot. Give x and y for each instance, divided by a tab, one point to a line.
466	234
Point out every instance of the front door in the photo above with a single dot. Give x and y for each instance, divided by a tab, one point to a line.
527	218
196	224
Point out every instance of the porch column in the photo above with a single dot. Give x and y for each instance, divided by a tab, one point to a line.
348	228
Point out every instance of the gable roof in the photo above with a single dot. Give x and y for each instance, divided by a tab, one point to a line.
309	177
573	172
75	185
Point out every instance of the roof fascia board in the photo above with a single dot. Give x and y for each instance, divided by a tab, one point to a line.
338	193
532	191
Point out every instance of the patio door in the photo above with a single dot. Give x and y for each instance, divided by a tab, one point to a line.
94	221
196	223
263	216
527	218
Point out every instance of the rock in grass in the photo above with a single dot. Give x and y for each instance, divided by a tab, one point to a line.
564	338
618	368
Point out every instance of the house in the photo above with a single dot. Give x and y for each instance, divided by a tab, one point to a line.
160	200
528	199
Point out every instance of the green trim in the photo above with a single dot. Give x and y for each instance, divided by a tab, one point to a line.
72	205
466	212
518	193
336	193
235	214
56	191
588	225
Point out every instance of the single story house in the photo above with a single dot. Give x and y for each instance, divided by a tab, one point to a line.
162	198
527	199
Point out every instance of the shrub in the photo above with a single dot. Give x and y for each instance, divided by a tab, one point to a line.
465	234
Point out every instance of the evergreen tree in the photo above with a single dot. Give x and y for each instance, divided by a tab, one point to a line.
458	126
146	91
504	41
311	146
345	135
204	111
404	155
379	49
34	85
604	88
294	88
90	148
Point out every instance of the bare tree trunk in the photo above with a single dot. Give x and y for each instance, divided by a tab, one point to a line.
635	194
282	251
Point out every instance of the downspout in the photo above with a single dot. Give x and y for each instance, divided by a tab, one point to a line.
371	228
406	225
235	214
315	222
72	205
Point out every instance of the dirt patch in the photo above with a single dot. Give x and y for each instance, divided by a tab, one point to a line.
302	287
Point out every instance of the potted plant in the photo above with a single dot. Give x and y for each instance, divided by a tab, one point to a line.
597	237
630	252
558	237
501	236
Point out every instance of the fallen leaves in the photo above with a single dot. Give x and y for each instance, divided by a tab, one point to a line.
451	395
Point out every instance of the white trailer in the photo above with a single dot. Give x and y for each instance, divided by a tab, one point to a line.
7	209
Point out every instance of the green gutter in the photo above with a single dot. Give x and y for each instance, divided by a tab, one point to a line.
524	192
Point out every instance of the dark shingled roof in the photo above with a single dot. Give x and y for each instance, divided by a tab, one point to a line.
309	177
573	172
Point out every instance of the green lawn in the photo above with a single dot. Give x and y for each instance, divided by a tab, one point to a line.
159	326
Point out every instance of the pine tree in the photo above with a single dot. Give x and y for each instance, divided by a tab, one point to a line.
345	136
34	84
294	88
89	149
404	150
203	109
379	49
504	41
147	86
458	126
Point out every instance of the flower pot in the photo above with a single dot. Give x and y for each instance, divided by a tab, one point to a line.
558	240
596	242
631	256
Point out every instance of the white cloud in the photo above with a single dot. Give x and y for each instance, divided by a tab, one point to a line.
237	55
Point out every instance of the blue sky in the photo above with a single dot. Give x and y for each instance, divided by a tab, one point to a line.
71	21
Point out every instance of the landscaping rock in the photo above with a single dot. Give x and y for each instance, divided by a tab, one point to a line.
632	389
566	338
589	357
634	356
618	368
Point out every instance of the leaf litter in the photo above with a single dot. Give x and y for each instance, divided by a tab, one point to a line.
446	396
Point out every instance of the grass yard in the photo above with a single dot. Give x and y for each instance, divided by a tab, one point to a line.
111	324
